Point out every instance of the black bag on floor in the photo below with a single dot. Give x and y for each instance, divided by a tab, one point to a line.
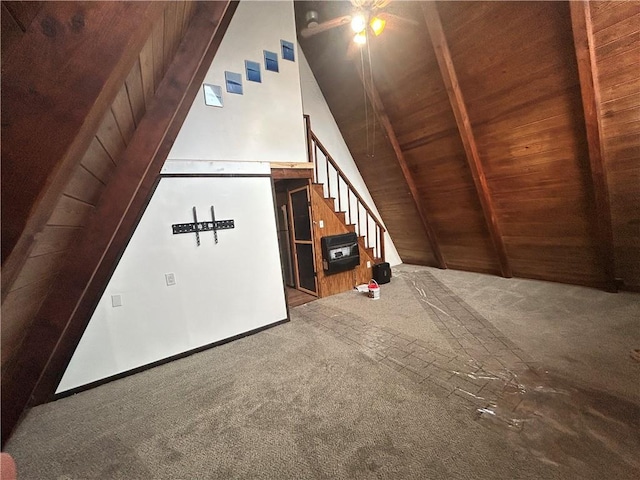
382	273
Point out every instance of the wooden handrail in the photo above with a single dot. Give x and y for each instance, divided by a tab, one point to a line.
313	145
346	180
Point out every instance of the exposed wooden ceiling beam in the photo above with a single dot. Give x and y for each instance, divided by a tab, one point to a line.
61	321
588	73
50	114
443	55
385	122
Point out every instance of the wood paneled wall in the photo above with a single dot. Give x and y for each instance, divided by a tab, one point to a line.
54	242
516	65
517	77
334	225
30	377
426	128
616	29
374	156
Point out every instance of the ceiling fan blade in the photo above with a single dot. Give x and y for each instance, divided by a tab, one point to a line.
324	26
409	22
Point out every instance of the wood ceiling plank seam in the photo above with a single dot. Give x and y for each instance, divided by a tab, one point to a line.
84	186
91	173
600	22
61	320
628	26
169	33
447	70
38	268
545	84
110	136
631	100
11	31
106	151
186	17
69	212
75	197
125	131
158	51
179	19
146	70
619	44
628	58
59	158
54	239
121	110
583	35
23	12
378	108
135	92
600	6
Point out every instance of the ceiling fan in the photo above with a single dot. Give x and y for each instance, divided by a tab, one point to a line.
368	16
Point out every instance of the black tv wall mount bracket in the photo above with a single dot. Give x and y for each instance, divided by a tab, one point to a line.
197	227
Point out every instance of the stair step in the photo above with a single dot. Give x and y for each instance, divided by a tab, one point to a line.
319	187
330	203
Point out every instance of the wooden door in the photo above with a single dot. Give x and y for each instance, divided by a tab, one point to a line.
302	240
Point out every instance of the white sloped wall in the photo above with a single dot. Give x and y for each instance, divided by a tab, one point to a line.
324	126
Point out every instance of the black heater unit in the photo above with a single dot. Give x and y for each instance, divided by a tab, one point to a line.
340	253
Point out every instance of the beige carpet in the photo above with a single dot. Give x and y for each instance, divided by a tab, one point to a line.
328	396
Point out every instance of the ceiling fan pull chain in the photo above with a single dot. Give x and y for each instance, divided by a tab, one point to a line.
366	113
373	119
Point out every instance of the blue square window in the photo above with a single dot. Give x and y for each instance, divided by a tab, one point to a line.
288	52
270	61
212	95
253	71
234	82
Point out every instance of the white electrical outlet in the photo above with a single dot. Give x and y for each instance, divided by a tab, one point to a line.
170	279
368	264
116	300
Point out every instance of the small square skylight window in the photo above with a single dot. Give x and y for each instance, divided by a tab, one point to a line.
270	61
288	52
212	95
234	82
253	71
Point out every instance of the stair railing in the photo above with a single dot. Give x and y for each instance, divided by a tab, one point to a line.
337	186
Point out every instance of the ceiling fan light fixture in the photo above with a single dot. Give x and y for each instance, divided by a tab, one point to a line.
360	38
311	19
377	24
358	23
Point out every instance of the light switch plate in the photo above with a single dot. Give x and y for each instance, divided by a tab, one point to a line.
170	278
321	223
116	300
368	264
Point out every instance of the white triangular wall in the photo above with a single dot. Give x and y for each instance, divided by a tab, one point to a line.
225	289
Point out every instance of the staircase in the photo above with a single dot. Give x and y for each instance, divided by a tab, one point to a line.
332	184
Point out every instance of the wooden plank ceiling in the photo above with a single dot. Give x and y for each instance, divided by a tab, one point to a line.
492	127
71	181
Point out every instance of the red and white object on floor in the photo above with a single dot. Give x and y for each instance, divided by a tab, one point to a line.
374	289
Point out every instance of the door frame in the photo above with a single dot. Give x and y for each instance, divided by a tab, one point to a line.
294	242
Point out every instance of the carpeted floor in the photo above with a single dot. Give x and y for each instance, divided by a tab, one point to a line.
419	384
